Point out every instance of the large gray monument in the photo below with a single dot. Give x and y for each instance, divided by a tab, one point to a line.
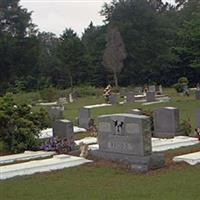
84	117
150	96
127	138
63	129
198	118
166	122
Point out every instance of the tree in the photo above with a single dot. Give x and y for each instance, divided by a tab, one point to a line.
115	53
94	40
73	60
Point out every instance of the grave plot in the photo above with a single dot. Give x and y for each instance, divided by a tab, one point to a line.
57	162
192	158
27	155
127	138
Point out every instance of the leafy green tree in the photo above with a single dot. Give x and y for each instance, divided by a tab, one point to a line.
94	40
73	59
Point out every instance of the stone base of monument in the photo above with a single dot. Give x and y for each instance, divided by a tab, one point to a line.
136	163
166	135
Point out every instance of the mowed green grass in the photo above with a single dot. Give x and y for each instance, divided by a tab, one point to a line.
187	106
103	183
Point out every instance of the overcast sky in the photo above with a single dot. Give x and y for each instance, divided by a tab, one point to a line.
56	15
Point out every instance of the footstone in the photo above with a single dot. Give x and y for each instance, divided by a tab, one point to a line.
198	118
84	117
136	111
63	129
130	98
127	138
198	94
150	96
166	122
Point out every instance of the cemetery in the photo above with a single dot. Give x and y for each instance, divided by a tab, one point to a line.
124	142
99	100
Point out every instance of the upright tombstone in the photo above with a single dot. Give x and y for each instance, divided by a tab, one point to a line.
198	118
198	94
123	92
84	117
150	96
152	88
166	122
127	138
138	90
56	112
63	129
130	97
62	100
112	99
159	89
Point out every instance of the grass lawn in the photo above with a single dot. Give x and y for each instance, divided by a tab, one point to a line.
98	182
107	180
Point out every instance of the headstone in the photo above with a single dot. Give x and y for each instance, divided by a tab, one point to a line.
160	89
84	117
63	129
62	101
150	97
112	99
138	90
198	118
166	122
127	138
123	92
56	112
130	97
198	94
136	111
152	88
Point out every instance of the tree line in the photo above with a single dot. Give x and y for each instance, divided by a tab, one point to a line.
157	43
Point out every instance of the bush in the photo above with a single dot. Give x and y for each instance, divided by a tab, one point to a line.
186	127
183	81
50	94
19	126
86	90
178	87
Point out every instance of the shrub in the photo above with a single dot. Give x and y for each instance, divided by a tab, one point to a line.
186	127
19	126
178	87
86	90
50	94
183	81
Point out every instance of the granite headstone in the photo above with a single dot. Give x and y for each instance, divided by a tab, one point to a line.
166	122
127	138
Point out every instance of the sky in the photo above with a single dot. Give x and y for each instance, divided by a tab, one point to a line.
56	15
